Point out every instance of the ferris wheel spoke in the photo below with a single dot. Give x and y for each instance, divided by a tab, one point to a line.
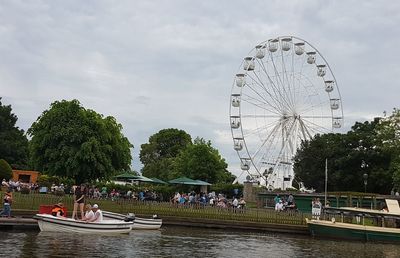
284	145
259	104
264	142
264	116
262	86
292	77
282	84
315	127
306	97
279	80
304	130
262	97
286	130
309	110
322	117
274	99
257	130
311	105
275	89
285	74
263	108
304	61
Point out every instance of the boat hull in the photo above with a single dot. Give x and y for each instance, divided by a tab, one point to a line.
50	223
142	223
338	230
139	223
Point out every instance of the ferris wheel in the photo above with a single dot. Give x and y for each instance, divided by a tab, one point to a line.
283	93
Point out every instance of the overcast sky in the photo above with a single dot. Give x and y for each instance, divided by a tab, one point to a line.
170	64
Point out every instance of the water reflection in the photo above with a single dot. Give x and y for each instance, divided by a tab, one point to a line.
184	242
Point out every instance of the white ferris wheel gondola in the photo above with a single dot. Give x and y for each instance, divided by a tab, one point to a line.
283	93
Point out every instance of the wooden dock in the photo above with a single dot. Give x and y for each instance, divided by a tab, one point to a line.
18	222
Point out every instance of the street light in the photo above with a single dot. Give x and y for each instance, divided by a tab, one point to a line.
365	176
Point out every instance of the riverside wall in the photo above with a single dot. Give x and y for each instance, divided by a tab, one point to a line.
24	219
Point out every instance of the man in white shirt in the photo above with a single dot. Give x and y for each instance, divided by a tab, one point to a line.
89	214
235	204
98	214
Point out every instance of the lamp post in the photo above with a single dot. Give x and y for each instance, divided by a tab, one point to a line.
365	176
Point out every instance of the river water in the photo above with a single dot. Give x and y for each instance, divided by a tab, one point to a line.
184	242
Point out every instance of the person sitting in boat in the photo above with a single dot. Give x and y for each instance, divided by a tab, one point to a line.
89	214
58	210
98	214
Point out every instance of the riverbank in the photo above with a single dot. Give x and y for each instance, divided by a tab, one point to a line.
24	219
26	205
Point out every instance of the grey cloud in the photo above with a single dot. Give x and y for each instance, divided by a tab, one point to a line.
160	64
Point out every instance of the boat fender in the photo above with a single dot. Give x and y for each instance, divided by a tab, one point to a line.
333	220
129	217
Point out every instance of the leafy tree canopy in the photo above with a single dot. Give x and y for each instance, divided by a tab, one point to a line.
345	154
157	155
201	161
389	135
14	144
71	141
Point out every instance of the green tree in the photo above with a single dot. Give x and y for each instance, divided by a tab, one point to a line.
158	154
389	136
201	161
71	141
345	154
309	163
13	142
5	170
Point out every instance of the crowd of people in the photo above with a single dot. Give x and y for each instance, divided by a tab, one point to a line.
82	192
283	203
17	186
211	199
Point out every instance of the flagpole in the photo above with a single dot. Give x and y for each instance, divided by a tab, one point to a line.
326	179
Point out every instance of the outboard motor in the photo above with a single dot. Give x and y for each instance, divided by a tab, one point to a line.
129	217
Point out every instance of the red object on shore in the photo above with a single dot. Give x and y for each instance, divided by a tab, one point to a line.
46	209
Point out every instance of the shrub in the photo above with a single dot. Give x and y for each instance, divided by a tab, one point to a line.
5	170
25	190
59	193
46	180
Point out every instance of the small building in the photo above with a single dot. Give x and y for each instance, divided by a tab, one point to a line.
25	176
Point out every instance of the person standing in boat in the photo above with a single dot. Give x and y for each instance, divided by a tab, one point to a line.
58	211
7	200
79	201
98	214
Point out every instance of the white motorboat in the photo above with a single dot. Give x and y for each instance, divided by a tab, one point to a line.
61	224
139	223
